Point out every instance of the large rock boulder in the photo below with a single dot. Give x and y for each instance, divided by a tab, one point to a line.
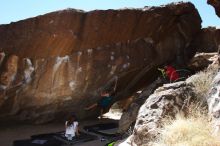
202	60
213	101
216	5
207	40
129	116
65	58
167	100
69	31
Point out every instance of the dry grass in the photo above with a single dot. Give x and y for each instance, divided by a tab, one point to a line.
193	130
202	83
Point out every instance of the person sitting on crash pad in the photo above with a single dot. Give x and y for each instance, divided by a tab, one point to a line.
103	103
171	73
71	127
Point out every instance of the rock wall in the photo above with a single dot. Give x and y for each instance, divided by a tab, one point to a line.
208	40
55	64
64	32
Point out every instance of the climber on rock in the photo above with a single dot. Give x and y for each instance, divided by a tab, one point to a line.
171	73
103	103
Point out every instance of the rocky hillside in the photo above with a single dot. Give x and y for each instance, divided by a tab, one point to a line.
171	101
58	63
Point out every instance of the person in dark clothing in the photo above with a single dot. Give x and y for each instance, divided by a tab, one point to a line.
103	103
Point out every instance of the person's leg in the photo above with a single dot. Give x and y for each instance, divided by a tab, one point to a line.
101	113
77	131
68	136
127	103
91	106
71	137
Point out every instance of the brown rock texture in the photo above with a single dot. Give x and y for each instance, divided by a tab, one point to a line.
8	75
213	102
167	100
202	61
176	98
62	60
129	116
65	32
216	5
207	40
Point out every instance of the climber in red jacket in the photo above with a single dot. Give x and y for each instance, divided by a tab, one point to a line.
171	73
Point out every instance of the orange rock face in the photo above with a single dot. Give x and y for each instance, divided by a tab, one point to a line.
67	57
8	75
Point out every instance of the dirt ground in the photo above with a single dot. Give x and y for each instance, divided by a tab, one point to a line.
14	131
11	132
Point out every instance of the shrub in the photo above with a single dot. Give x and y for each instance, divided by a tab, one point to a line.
193	130
202	82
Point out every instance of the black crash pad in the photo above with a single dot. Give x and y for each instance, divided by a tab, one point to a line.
36	142
54	139
104	126
99	128
83	137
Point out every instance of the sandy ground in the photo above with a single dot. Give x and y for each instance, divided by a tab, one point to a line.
11	132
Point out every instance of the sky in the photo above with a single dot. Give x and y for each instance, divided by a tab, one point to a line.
15	10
